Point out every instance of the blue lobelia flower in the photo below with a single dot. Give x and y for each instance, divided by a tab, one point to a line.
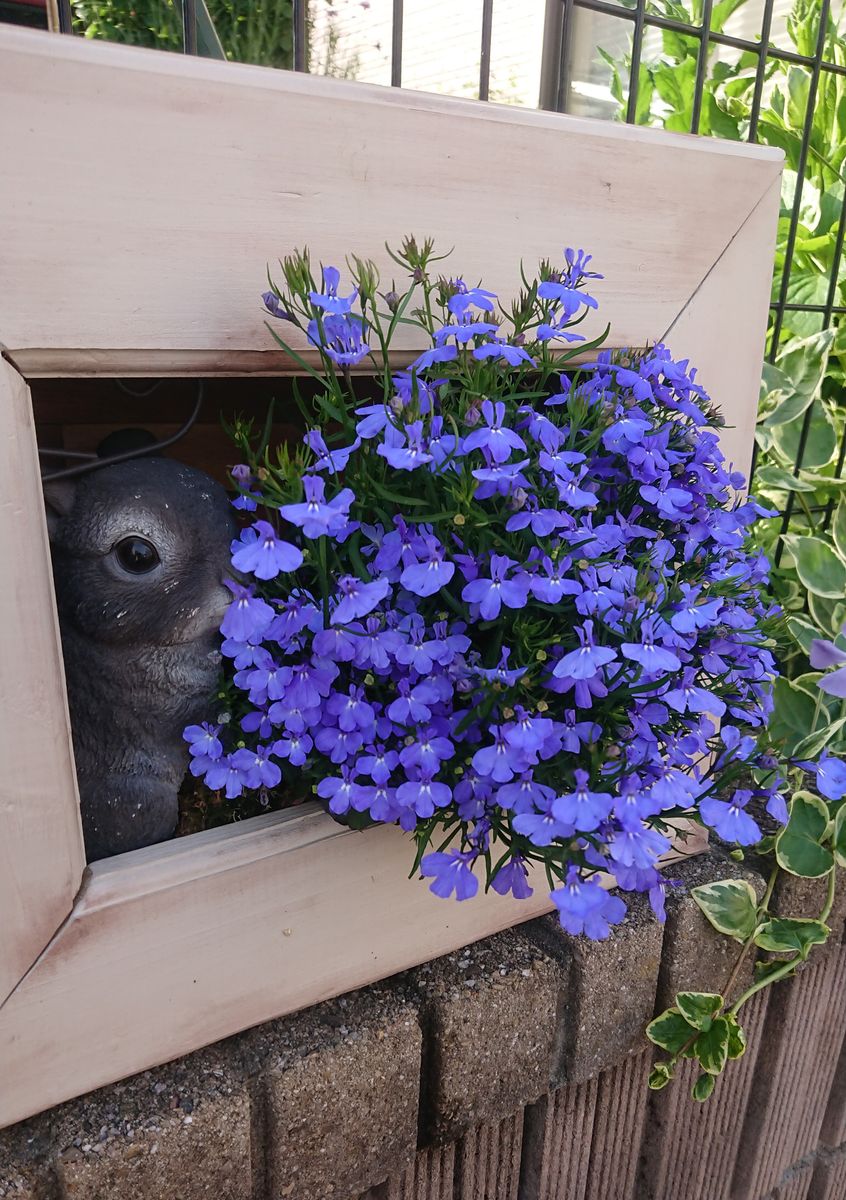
565	296
464	331
314	515
825	654
438	354
465	297
831	777
588	660
423	795
296	748
636	845
692	615
525	794
687	697
374	418
450	872
729	818
328	299
491	593
500	479
260	552
513	878
378	764
341	337
203	740
582	808
328	460
256	767
653	658
554	583
351	710
410	452
247	617
541	827
499	348
585	907
500	761
502	673
494	436
358	598
427	751
431	573
227	776
543	521
338	790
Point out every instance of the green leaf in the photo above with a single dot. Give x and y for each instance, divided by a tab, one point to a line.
820	569
780	479
815	743
660	1076
711	1047
765	970
803	633
839	839
737	1038
821	444
791	935
395	497
790	407
670	1031
703	1087
793	715
699	1008
730	905
798	848
828	614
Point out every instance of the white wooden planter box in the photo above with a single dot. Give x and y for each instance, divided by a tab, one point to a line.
141	195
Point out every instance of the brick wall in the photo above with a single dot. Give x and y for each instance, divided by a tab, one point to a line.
512	1070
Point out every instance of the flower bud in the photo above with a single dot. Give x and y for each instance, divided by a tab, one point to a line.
365	276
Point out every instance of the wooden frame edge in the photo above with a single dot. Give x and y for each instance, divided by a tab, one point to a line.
84	955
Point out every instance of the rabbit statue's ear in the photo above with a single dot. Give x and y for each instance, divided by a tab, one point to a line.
59	496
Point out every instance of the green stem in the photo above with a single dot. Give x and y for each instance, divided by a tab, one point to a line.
789	963
829	896
762	908
783	970
324	578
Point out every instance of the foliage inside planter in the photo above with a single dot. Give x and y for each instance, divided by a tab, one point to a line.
516	610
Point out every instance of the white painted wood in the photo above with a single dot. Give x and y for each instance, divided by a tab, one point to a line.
41	856
180	179
179	945
723	327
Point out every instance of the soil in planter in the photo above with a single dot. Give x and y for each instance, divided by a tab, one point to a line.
201	809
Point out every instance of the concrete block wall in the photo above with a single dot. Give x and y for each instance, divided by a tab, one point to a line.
512	1070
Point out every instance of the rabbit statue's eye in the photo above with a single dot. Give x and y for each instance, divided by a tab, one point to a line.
136	555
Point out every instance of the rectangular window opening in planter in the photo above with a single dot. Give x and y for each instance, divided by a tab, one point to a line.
184	178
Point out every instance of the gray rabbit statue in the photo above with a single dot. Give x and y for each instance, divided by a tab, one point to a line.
140	553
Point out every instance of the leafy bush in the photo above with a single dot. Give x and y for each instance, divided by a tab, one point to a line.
500	605
504	606
247	31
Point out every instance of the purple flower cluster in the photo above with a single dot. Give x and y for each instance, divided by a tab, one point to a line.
510	604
